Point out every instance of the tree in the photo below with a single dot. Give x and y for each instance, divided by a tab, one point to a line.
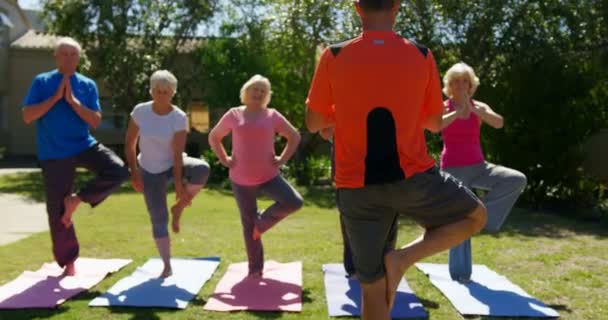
126	40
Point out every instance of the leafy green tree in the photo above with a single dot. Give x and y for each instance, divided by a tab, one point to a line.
126	40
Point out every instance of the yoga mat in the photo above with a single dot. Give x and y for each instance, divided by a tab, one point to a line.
279	289
143	288
344	296
47	287
487	294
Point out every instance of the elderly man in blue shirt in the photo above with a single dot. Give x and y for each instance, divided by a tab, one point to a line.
64	104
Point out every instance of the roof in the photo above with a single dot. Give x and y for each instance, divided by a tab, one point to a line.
33	40
36	41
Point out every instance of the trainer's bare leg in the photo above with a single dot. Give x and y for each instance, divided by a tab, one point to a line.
373	300
432	241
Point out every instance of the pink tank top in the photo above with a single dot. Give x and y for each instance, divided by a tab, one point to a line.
461	145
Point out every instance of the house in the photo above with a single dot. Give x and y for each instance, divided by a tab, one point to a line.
25	51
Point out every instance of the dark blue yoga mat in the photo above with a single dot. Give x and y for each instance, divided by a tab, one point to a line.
344	296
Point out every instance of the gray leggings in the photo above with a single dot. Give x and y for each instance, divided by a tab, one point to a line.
287	200
195	171
503	186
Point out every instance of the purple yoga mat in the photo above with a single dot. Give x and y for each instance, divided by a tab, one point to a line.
279	289
47	288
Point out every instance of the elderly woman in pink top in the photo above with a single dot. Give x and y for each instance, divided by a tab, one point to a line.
463	158
254	166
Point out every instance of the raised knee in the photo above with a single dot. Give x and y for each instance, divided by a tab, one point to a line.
123	173
201	174
479	217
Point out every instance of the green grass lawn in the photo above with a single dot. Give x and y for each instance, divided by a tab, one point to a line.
561	261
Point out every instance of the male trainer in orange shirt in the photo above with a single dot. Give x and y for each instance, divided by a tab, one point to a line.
381	92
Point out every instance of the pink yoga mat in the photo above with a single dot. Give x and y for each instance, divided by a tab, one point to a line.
47	288
279	289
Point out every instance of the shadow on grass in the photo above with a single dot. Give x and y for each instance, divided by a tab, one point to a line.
31	184
551	225
28	314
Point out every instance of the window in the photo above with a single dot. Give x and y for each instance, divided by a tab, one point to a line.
112	118
199	116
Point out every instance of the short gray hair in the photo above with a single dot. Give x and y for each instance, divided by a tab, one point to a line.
255	80
164	78
67	42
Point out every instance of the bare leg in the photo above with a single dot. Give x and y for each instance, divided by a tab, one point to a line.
164	249
433	241
70	203
178	208
373	304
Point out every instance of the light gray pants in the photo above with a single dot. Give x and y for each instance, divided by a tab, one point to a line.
503	186
195	171
287	200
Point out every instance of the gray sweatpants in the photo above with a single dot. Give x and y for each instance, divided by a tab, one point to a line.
287	200
195	171
503	186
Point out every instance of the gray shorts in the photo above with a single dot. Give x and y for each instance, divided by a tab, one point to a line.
432	198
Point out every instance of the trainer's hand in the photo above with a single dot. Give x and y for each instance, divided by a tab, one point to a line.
327	133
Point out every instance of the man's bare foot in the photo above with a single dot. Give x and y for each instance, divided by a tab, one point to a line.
176	214
394	273
167	272
69	270
70	204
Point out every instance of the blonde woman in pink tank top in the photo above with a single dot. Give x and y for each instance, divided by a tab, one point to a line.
462	157
254	165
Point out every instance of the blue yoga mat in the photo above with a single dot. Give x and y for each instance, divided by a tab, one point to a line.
487	294
143	288
344	296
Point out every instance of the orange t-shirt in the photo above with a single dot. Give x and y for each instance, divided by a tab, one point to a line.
379	88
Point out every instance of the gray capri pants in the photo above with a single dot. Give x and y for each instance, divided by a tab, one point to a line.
195	171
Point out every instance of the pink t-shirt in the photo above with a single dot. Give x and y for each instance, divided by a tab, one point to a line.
461	146
253	144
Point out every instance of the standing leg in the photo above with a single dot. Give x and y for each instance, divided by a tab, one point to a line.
246	201
110	172
196	173
504	186
155	195
460	261
347	255
58	176
287	200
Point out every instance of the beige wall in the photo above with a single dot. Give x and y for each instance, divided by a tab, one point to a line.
24	65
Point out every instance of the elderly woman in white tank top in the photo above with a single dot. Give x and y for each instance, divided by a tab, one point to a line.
161	129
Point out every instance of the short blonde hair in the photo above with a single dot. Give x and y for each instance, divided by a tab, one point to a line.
257	79
67	42
456	71
163	78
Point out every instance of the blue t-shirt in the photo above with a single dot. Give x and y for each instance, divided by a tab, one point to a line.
61	133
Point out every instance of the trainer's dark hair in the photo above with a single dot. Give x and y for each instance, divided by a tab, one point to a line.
376	5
